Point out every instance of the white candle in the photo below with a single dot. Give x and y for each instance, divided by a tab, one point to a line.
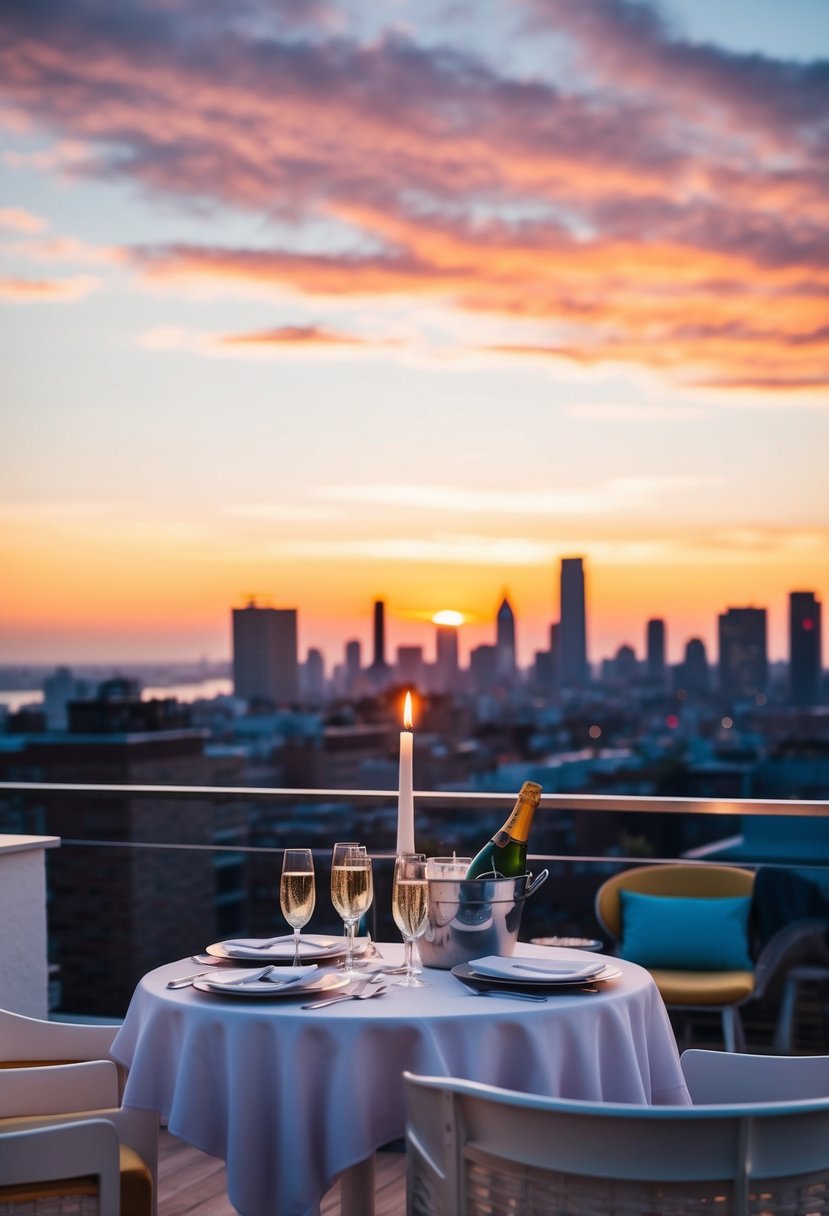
405	797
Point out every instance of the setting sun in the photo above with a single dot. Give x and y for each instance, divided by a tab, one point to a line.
448	616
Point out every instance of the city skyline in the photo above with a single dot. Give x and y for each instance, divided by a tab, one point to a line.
471	631
326	303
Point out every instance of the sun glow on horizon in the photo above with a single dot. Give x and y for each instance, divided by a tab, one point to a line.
448	616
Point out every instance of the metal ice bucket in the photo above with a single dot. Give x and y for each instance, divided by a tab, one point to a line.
472	917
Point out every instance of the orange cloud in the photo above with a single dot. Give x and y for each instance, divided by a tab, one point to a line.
45	290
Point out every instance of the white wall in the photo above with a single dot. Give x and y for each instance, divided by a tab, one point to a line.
23	935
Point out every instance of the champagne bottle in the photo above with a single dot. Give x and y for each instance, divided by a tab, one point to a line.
505	855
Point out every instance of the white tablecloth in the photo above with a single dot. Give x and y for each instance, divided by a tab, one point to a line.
290	1098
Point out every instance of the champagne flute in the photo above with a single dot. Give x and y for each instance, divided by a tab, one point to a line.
410	909
352	890
344	844
297	894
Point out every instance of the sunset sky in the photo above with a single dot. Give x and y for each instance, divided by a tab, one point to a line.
329	302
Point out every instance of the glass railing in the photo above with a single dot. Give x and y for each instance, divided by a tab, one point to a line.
147	873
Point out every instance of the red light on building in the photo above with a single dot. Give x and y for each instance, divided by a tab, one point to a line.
672	721
807	623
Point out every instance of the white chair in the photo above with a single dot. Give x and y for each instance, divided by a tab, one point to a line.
716	1076
35	1041
36	1162
475	1150
64	1137
34	1054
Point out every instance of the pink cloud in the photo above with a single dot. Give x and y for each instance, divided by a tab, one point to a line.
17	219
290	335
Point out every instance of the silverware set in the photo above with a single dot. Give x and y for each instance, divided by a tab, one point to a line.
357	993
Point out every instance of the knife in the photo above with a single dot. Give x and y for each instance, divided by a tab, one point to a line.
183	981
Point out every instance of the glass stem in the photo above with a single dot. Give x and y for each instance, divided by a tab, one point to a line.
407	956
296	947
350	926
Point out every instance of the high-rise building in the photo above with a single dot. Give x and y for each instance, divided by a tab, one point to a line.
380	672
743	658
379	635
410	666
482	668
655	652
447	665
353	659
693	674
265	659
805	662
313	678
573	669
505	661
58	690
555	654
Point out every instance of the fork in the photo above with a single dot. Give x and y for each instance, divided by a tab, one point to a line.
353	996
357	993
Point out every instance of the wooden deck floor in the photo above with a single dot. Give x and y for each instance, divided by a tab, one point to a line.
193	1184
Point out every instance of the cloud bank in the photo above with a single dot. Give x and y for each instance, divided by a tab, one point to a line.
658	202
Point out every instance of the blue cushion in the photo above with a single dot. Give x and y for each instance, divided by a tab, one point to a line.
686	933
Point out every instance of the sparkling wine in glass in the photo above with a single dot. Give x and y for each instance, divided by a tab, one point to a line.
297	894
410	909
352	891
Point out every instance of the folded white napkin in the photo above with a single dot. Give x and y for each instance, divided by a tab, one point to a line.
245	977
536	970
281	947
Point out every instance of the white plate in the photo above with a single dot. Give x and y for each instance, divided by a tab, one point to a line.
492	983
316	984
313	949
538	970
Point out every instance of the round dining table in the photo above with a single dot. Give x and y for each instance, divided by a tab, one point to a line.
291	1098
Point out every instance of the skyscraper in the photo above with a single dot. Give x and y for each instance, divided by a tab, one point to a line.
505	662
482	668
379	672
379	659
572	634
743	659
655	653
265	660
804	648
313	678
410	666
447	666
693	673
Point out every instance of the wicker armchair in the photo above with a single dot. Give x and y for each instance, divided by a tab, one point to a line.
474	1150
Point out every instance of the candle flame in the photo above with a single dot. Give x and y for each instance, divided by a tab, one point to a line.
407	712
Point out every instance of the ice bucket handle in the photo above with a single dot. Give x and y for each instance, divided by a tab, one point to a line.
536	883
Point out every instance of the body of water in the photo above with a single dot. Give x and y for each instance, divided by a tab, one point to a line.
15	699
